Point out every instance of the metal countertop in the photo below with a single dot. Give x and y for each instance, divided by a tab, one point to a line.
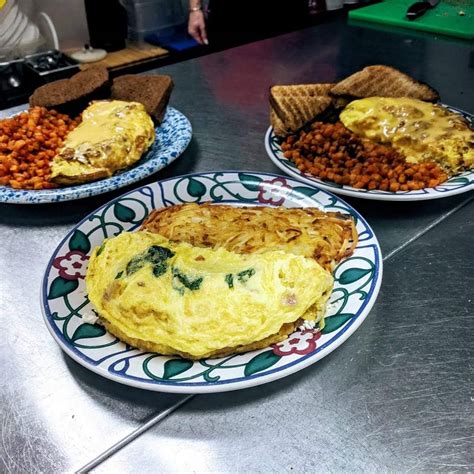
397	396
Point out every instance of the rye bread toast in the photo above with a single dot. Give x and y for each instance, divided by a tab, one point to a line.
71	96
383	81
153	91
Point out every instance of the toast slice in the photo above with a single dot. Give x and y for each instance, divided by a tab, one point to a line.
383	81
152	91
297	105
71	96
278	126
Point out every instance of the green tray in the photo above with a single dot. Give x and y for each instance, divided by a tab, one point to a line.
445	18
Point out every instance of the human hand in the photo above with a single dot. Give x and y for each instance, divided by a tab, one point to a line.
197	27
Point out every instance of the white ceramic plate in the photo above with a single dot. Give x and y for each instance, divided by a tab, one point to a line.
9	21
455	185
64	298
172	138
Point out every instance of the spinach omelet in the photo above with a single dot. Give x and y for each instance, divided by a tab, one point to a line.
174	298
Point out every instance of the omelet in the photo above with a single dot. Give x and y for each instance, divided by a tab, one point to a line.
419	130
112	136
174	298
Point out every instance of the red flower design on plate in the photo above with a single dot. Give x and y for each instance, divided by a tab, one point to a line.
300	343
72	266
267	190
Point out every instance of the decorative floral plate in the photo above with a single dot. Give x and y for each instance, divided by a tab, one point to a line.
172	138
455	185
66	307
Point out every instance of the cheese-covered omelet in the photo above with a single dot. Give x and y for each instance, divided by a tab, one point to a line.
173	298
112	136
419	130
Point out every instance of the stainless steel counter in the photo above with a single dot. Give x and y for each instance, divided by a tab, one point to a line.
397	396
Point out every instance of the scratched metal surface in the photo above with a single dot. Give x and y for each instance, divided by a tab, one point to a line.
397	396
359	406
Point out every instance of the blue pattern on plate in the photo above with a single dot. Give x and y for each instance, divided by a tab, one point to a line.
172	138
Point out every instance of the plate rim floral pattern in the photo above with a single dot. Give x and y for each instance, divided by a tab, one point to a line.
444	190
152	161
254	379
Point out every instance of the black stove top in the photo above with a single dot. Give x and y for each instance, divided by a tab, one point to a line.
20	77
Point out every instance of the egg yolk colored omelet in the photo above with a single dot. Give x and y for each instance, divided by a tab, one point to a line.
178	299
112	136
421	131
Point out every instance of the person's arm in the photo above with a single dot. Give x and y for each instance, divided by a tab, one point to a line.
196	22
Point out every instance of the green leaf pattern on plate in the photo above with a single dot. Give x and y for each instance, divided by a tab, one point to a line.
79	241
124	213
250	182
260	362
351	275
175	367
305	190
335	322
196	189
66	300
86	331
61	287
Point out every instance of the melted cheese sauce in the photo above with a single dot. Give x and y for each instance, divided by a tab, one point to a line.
112	135
419	130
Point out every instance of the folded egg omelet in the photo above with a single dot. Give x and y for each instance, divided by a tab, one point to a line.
112	136
418	130
174	298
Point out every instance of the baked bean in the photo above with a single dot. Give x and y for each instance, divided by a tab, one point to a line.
332	152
